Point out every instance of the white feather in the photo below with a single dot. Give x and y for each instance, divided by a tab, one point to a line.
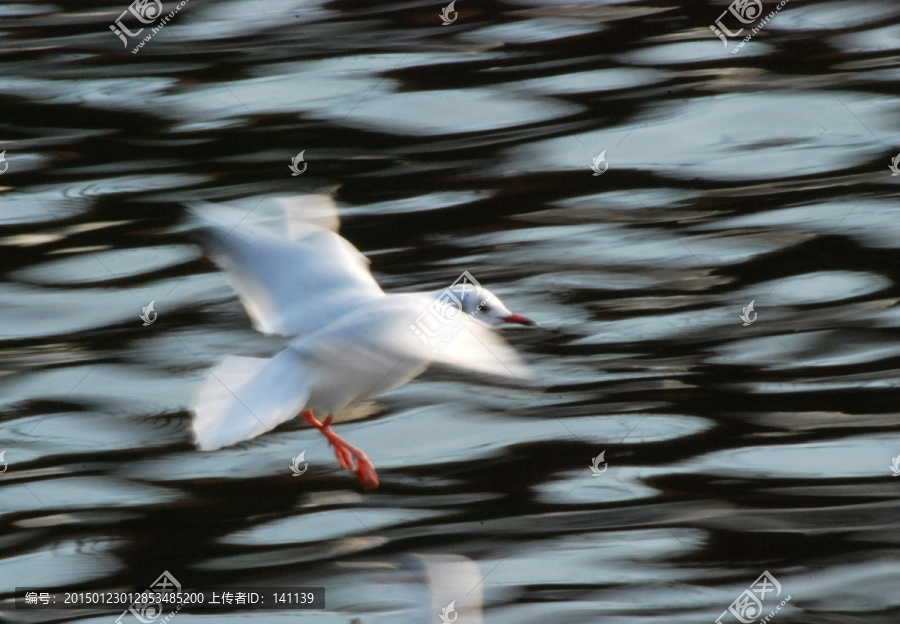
244	397
288	286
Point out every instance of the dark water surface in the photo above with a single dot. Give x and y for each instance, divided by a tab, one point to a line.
731	450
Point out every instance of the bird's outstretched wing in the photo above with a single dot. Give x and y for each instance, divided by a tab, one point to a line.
480	348
290	268
378	347
244	397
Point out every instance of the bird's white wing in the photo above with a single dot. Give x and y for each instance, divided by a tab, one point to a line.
288	216
380	347
244	397
301	211
480	348
291	271
447	336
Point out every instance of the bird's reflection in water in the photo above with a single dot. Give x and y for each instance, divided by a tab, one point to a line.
439	589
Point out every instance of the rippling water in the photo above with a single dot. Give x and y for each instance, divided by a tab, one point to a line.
760	175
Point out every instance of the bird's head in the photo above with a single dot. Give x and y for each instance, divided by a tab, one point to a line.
486	306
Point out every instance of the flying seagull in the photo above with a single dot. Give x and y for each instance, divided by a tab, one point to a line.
347	340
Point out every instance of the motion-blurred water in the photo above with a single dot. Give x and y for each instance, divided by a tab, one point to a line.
760	175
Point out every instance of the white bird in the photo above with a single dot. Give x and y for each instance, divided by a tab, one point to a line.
347	339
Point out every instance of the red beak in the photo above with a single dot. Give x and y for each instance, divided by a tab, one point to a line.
518	319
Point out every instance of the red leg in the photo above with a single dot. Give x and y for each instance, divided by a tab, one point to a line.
350	457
